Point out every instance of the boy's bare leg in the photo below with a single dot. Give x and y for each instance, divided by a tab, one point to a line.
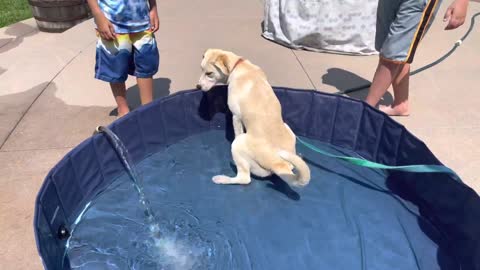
400	106
384	76
146	89
119	93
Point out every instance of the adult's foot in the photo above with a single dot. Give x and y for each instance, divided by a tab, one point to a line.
122	112
395	110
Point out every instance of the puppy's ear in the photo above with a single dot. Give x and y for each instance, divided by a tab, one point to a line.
226	62
223	63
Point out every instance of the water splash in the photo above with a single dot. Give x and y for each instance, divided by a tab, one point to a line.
176	249
179	255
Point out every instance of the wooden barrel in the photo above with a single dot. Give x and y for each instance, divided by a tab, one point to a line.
59	15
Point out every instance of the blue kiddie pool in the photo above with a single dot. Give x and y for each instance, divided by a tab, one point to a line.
162	211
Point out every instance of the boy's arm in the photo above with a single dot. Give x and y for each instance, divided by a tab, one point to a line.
154	21
456	14
153	3
105	27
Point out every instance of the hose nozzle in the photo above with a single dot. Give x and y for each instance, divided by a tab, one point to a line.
98	129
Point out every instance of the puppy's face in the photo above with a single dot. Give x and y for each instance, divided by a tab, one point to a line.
214	69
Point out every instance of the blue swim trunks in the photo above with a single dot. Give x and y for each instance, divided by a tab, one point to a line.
134	50
135	54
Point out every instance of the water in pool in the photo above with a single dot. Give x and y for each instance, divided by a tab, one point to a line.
346	218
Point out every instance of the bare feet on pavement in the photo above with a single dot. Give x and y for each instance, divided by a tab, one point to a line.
395	110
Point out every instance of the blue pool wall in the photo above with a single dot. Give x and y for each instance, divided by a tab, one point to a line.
452	206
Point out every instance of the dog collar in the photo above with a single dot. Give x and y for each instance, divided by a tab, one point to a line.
236	64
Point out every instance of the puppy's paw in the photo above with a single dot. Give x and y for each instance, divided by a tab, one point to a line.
221	179
300	184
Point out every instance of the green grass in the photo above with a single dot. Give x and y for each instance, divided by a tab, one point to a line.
12	11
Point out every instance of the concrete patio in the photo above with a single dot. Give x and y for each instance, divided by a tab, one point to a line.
50	102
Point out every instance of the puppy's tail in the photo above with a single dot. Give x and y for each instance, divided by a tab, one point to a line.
303	176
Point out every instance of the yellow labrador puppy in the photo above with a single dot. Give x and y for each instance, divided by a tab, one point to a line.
263	143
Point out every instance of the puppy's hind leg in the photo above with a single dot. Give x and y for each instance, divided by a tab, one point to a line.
290	131
237	125
241	159
259	171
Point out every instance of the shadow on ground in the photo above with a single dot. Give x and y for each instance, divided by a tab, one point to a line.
161	88
344	80
14	106
18	32
48	123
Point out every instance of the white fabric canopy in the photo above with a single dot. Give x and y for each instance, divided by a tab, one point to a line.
340	26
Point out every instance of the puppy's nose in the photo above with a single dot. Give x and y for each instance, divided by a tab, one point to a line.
199	86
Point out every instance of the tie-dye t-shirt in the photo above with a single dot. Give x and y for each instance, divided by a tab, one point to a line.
127	16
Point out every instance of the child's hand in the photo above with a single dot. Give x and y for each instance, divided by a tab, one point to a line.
456	14
154	21
105	27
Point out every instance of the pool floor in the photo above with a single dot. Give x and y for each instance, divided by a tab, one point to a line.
346	218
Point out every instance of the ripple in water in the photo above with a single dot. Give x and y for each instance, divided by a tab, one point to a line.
178	248
178	245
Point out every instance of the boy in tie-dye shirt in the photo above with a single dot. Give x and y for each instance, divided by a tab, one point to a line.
126	45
